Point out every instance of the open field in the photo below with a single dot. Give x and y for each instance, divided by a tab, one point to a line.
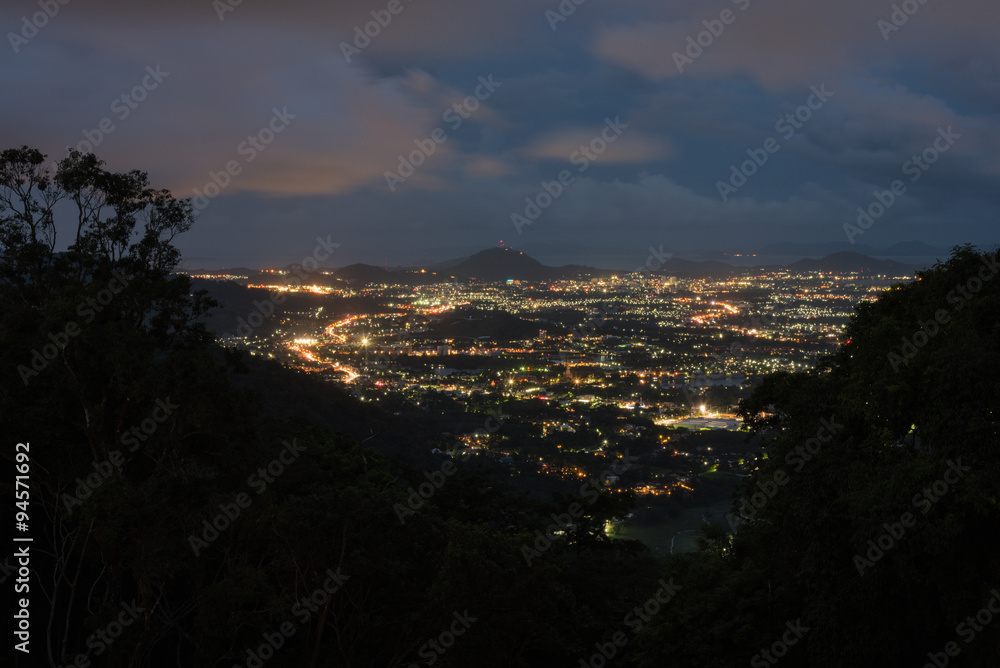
683	531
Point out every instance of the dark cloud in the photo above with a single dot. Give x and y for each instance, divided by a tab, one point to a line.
346	124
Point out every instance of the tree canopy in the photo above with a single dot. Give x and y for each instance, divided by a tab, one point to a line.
871	513
178	523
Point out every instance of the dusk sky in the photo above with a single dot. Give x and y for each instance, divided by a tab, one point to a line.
662	121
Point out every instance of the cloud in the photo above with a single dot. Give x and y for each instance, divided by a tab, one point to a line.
787	43
487	167
348	128
326	170
631	147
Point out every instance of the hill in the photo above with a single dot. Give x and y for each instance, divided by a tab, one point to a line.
364	273
852	262
500	264
820	249
492	325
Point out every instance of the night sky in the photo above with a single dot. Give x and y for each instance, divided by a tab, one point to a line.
310	114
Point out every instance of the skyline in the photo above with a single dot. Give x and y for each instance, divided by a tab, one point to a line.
585	112
910	256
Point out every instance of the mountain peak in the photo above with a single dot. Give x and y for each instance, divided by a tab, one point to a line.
498	264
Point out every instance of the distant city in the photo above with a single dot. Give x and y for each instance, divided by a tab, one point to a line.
590	360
